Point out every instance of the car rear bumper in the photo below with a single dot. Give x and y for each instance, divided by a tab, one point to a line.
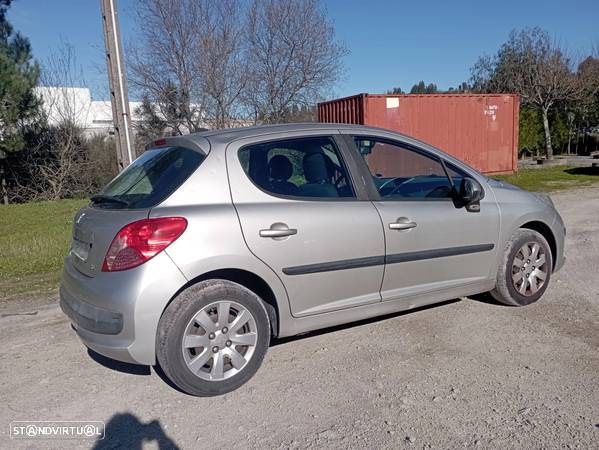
117	314
89	317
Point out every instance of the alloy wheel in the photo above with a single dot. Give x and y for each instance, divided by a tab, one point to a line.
529	269
219	340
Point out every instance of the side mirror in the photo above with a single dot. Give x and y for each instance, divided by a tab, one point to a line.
470	194
365	147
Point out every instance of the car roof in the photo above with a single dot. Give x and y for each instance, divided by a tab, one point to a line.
232	134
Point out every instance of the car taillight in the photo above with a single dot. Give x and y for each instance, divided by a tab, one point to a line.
140	241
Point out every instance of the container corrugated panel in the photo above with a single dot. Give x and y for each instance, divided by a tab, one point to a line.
481	130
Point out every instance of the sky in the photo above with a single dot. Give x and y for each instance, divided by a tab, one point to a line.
391	42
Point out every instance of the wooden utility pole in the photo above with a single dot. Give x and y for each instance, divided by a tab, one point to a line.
119	97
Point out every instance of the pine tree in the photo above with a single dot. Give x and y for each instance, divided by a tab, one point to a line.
19	74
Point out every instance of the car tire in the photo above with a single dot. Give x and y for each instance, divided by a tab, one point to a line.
514	286
198	356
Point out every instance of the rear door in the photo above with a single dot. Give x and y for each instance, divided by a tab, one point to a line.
432	243
302	215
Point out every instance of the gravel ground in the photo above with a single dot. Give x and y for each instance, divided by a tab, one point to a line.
467	373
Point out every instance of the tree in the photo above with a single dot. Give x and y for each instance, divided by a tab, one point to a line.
531	131
585	113
18	76
395	91
163	60
214	63
533	66
222	64
151	125
462	88
55	163
422	88
293	57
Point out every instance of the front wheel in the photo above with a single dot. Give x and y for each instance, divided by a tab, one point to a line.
212	338
525	271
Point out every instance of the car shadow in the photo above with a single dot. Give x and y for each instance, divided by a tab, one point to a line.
487	298
146	370
133	369
346	326
126	431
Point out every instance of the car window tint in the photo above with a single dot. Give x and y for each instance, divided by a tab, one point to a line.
303	167
151	178
400	172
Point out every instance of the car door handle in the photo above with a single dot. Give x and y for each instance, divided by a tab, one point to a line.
278	230
403	223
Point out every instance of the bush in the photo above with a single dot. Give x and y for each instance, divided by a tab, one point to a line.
60	162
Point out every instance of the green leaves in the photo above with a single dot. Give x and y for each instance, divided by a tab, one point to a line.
19	74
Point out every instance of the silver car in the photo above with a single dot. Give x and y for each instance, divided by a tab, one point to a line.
210	245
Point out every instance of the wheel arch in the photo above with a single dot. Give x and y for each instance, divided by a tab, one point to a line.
545	231
250	281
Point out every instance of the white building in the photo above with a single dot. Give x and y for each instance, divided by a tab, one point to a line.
76	104
93	116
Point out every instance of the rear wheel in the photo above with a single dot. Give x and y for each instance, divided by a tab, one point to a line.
525	272
212	338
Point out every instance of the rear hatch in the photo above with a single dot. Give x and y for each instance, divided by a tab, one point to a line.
148	181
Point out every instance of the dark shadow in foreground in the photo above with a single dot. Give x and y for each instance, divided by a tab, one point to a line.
133	369
127	431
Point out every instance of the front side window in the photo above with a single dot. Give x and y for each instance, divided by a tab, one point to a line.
402	173
304	167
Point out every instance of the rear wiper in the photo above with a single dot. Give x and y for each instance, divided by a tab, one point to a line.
100	198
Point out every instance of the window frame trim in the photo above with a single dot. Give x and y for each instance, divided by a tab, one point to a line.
347	163
374	194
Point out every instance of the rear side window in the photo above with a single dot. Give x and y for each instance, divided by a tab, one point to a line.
303	167
150	179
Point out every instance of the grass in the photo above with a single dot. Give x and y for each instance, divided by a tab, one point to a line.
553	178
34	239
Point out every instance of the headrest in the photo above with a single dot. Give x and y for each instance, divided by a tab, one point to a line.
281	168
315	167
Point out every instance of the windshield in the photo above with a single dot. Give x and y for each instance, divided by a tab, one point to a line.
150	179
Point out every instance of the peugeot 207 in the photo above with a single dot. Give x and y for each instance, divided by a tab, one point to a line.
211	244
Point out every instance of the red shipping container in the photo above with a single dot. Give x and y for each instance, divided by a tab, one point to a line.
479	129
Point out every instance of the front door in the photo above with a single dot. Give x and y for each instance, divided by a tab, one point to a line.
300	214
432	244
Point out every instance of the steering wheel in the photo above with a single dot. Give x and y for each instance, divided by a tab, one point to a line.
396	188
439	192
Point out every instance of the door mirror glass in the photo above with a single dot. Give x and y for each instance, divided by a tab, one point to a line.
470	194
365	146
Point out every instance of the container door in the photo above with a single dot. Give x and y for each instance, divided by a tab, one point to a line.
300	215
431	244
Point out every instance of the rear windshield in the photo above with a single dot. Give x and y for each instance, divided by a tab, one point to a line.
150	179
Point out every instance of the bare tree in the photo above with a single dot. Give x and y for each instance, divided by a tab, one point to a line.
535	67
292	54
215	62
60	74
55	163
221	63
164	57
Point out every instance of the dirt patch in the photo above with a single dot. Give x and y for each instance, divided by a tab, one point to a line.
462	374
